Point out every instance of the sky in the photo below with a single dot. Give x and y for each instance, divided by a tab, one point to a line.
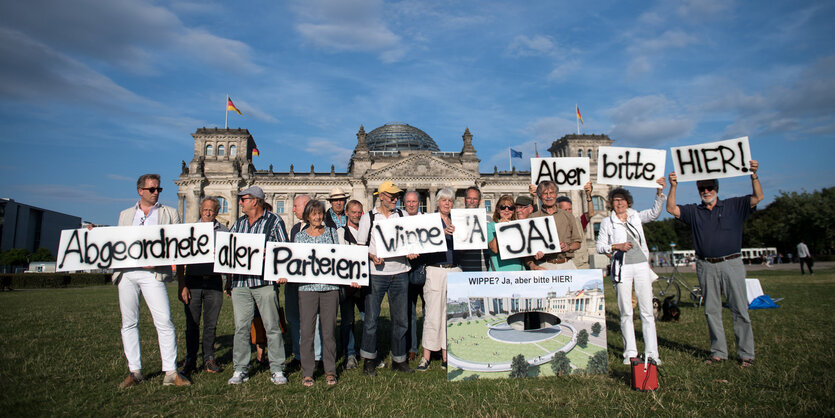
94	93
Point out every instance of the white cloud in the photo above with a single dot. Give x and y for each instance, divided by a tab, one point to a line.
668	39
346	25
703	9
648	121
565	69
538	45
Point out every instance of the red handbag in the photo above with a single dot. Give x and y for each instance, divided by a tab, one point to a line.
644	374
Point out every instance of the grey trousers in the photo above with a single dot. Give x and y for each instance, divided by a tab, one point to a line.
244	301
326	305
726	277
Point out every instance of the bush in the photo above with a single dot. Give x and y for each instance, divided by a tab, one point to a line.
583	338
596	328
599	363
560	364
53	280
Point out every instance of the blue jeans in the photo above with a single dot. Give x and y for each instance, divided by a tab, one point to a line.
397	287
291	306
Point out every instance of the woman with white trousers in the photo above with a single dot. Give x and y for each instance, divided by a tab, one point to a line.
621	237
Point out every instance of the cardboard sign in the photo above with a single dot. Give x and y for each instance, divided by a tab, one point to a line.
317	263
238	253
638	167
713	160
470	229
527	237
135	246
570	173
494	317
409	235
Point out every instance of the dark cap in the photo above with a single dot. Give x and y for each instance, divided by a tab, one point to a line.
524	200
563	199
707	183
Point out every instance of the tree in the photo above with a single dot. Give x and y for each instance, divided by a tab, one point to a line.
583	338
596	328
14	257
560	364
519	367
599	363
42	254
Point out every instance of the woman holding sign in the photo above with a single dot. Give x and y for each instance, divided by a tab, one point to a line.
505	212
438	265
317	298
622	238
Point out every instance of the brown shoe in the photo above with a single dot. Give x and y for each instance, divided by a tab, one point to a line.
177	379
129	381
412	355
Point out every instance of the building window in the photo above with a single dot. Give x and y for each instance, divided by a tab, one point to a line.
233	150
579	153
209	150
279	205
224	205
596	230
589	153
599	203
220	150
488	206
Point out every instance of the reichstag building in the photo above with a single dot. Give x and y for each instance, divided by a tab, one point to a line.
222	165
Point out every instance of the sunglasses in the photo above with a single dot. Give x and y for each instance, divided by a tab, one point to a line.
507	207
244	199
708	188
152	189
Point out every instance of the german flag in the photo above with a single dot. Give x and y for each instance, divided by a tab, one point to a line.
231	106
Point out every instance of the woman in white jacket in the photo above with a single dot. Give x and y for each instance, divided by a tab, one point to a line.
622	237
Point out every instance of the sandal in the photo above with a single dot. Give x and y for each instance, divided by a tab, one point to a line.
746	362
307	381
330	379
714	360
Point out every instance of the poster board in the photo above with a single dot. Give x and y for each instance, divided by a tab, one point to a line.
526	237
638	167
470	229
712	160
239	253
135	246
400	236
493	317
317	263
569	173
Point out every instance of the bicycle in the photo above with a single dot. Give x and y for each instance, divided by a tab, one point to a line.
666	286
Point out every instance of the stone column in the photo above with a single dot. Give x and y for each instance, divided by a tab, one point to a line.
181	206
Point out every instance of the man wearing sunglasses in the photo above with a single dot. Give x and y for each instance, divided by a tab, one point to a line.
150	283
716	226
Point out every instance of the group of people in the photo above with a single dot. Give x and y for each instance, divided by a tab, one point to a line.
311	309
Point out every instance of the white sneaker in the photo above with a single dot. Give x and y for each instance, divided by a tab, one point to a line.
278	378
627	361
238	378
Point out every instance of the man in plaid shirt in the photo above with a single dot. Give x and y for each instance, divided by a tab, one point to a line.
249	292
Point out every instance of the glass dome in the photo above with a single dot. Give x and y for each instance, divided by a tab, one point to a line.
399	137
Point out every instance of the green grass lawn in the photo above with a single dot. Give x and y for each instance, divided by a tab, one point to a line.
61	354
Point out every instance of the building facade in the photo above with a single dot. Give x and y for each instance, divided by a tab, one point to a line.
222	164
29	227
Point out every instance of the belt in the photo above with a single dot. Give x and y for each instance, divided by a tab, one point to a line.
202	276
557	260
445	266
720	259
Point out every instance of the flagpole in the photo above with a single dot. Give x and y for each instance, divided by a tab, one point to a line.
576	112
226	124
509	162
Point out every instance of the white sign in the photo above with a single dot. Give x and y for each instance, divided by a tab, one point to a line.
638	167
569	173
409	235
526	237
135	246
317	263
470	229
713	160
238	253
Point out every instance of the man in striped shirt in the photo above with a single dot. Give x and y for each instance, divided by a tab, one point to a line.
249	292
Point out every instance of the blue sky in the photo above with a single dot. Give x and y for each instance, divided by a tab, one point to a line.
94	93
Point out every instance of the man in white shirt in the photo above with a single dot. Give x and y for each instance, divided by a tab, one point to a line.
388	276
417	277
804	256
150	283
353	297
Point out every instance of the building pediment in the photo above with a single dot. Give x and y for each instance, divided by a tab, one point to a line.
421	166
